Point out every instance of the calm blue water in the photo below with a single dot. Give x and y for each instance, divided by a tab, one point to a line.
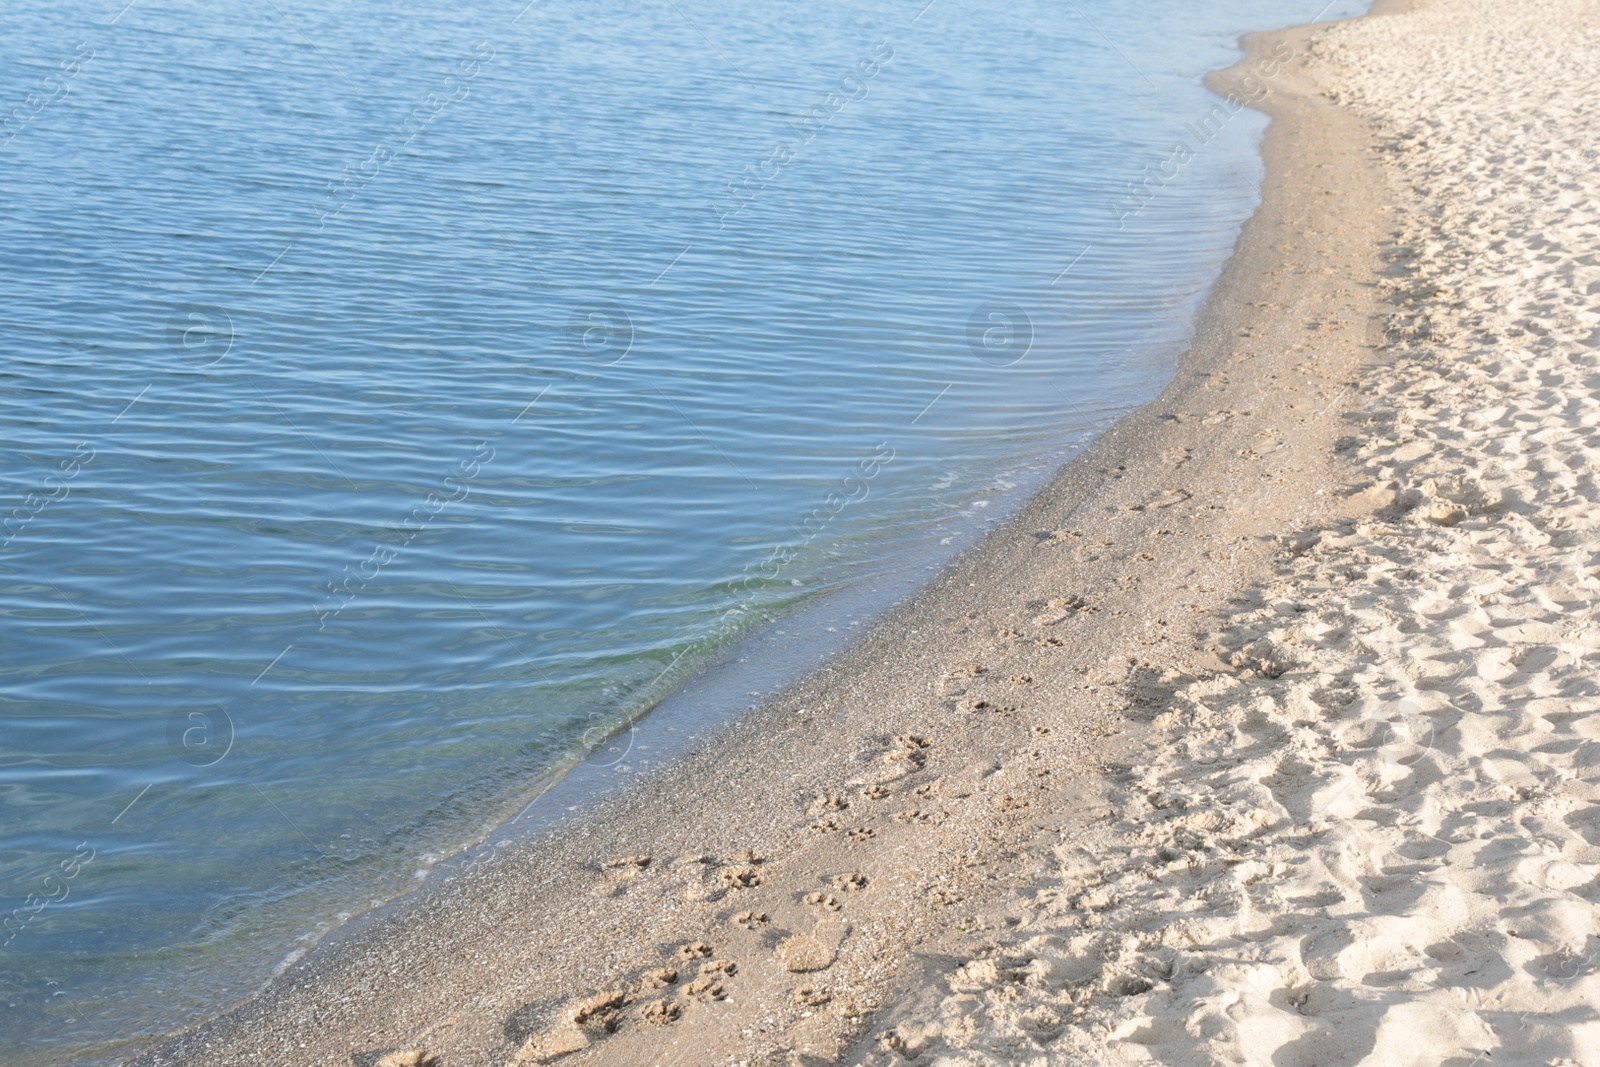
398	398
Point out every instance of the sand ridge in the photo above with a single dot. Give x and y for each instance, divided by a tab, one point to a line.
891	821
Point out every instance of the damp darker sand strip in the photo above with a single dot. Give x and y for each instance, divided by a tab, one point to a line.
767	896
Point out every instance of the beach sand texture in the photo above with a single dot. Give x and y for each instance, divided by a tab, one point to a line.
1267	733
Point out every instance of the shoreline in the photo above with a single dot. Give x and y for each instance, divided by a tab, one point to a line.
942	756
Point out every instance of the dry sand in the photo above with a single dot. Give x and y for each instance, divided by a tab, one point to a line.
1264	734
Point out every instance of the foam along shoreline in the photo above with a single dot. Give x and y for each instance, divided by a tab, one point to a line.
882	861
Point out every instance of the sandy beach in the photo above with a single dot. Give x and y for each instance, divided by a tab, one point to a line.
1265	733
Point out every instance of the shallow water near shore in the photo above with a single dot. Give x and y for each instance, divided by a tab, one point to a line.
396	407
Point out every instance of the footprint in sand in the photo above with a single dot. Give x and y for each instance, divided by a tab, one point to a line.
1059	609
587	1021
809	996
712	981
876	792
966	670
694	950
815	951
657	978
739	877
906	750
829	825
862	833
707	987
828	802
751	919
825	901
661	1012
854	882
903	760
624	869
600	1010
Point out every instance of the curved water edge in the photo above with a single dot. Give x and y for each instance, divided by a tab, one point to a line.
374	505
